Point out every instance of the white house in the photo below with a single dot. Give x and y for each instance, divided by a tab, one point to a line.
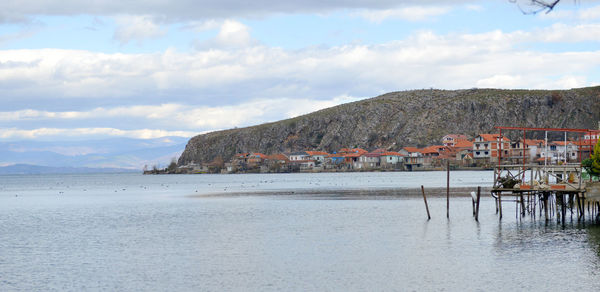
299	156
451	139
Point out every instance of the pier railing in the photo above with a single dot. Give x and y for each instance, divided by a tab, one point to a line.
531	178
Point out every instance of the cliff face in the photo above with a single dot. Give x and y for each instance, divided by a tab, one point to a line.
408	118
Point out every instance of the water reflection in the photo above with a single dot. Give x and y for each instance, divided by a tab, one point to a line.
594	238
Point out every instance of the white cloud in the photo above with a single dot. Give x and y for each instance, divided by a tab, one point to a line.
585	14
414	13
222	88
254	72
14	133
136	28
232	35
177	10
177	115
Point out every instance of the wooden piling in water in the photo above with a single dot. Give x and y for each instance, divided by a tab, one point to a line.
500	204
522	206
477	204
448	189
425	200
546	205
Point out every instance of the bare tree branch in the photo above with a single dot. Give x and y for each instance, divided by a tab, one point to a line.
536	6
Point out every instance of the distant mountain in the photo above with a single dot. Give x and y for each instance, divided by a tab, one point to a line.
407	118
36	169
120	153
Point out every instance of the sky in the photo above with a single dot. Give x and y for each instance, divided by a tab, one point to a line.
147	69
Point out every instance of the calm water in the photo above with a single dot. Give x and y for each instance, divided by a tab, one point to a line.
132	232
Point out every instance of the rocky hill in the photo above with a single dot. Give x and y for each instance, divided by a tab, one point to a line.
407	118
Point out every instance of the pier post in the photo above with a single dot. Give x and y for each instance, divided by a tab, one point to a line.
522	206
500	204
545	205
425	200
448	189
477	204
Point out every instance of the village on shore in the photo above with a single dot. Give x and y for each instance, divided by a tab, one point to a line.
484	151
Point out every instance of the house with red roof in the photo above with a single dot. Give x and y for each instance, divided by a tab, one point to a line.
317	156
451	139
559	151
490	147
368	160
390	159
413	158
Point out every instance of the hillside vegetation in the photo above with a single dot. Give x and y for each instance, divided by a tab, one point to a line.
406	118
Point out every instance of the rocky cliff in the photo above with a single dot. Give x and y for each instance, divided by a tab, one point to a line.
407	118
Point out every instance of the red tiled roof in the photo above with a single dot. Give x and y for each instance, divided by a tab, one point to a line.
562	143
359	150
432	149
352	155
312	153
412	149
463	144
492	137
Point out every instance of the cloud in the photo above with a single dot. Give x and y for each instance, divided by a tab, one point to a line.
136	28
184	10
14	133
232	34
180	116
219	88
414	13
228	75
585	14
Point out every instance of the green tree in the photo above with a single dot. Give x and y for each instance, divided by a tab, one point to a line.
592	164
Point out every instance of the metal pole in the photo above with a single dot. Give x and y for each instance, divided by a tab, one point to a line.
523	147
500	148
546	151
565	147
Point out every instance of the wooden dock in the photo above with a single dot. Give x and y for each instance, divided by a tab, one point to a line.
554	190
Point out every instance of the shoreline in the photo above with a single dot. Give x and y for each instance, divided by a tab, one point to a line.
393	193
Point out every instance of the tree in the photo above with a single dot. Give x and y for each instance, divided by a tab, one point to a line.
535	6
172	166
592	164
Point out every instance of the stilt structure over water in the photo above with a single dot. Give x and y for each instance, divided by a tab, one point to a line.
549	190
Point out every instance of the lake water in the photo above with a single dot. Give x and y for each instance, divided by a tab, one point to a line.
128	232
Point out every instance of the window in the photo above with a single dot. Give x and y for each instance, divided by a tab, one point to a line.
486	153
477	152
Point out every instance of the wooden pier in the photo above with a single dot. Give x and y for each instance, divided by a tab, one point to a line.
555	190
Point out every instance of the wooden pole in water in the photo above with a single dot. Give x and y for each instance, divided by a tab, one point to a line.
425	200
546	206
500	203
522	206
447	188
477	204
